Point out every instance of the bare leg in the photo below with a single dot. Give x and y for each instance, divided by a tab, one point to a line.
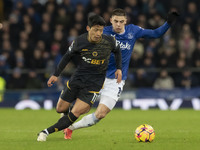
92	119
62	106
80	108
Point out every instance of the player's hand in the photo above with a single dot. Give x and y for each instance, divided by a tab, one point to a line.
118	75
52	80
172	16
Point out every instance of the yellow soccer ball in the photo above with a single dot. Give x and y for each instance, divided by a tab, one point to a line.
144	133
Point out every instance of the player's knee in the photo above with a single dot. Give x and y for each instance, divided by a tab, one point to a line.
60	110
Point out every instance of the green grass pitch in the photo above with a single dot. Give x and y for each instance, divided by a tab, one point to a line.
175	130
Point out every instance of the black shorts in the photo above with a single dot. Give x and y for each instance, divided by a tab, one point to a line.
87	91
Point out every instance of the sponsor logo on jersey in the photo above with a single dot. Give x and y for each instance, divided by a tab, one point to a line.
123	45
130	35
93	61
94	53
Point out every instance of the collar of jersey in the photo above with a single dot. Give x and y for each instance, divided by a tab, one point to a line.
95	42
119	33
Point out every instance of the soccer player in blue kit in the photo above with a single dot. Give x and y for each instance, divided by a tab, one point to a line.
126	36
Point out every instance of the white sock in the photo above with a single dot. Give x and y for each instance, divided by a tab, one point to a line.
86	121
45	130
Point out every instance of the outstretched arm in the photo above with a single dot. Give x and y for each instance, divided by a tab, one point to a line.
64	61
156	33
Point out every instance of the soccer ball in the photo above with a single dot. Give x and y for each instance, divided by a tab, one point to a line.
144	133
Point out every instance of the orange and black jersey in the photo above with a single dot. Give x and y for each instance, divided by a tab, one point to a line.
94	56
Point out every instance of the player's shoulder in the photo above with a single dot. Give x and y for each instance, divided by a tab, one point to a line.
82	37
132	27
108	37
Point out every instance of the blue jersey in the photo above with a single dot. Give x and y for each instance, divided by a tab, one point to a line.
126	41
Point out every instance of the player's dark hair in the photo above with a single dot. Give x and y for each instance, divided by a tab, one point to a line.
118	12
94	19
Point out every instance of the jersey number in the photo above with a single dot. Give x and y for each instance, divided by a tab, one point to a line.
119	92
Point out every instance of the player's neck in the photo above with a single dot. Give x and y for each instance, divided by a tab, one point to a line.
122	32
90	40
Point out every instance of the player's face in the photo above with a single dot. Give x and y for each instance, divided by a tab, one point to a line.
118	23
95	33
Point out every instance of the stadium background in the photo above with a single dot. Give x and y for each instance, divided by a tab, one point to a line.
163	72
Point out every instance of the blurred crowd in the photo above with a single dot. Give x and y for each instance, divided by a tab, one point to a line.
34	35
